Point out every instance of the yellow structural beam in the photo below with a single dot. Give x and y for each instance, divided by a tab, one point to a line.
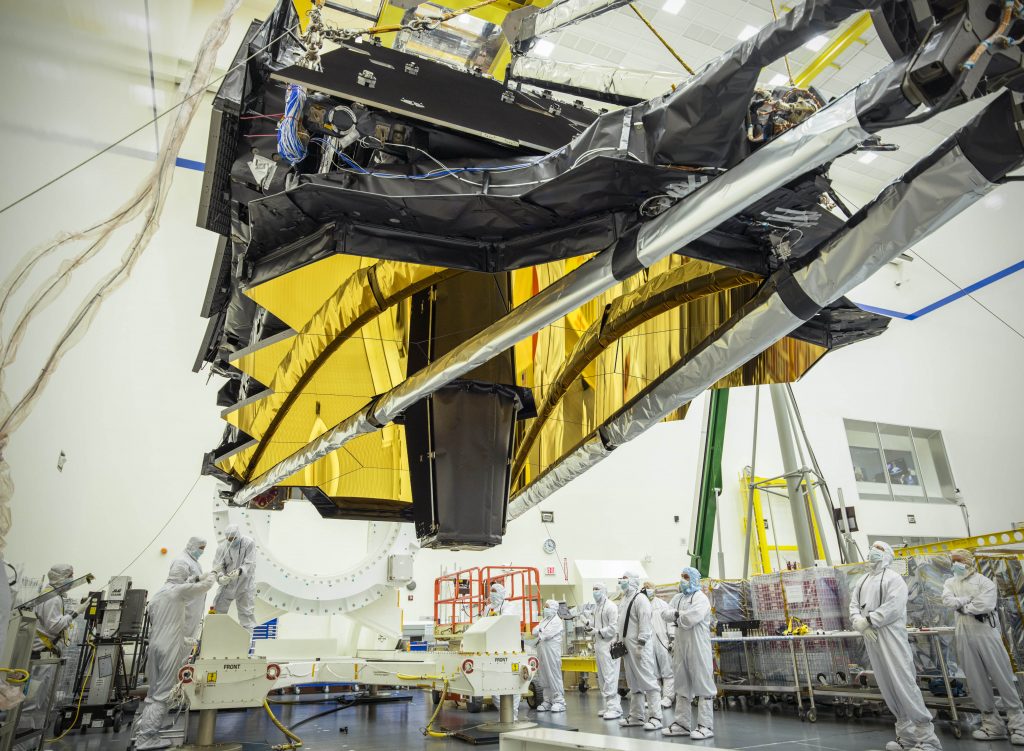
988	540
836	46
571	664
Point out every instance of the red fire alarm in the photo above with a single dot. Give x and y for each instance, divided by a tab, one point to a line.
549	571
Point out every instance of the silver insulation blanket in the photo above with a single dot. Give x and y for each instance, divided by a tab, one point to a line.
558	16
902	215
818	140
638	84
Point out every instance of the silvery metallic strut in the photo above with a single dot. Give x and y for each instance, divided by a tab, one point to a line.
821	138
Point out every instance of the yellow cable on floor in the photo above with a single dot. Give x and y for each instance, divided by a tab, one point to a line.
428	730
81	694
296	741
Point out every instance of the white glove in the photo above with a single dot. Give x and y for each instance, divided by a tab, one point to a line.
870	634
860	623
224	580
81	608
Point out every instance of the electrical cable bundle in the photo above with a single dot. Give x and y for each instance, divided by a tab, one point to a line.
289	144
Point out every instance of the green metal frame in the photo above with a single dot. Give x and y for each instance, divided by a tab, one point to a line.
710	482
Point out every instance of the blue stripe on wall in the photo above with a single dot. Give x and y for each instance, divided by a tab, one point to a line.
991	279
189	164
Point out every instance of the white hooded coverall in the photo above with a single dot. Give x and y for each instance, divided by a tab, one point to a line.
238	554
692	659
54	619
639	659
549	656
606	618
980	651
190	559
662	638
167	650
881	597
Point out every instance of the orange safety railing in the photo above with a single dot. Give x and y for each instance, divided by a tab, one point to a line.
461	597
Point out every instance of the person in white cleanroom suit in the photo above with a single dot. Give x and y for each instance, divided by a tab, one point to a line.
55	617
549	656
878	610
690	612
606	618
634	629
980	651
167	649
498	604
663	633
235	566
194	549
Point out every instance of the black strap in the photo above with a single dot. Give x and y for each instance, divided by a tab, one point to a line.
629	608
792	294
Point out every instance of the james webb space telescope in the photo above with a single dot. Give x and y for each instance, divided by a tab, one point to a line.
439	297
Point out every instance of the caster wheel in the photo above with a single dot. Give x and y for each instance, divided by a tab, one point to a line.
435	697
623	692
536	698
957	731
583	687
716	704
474	704
812	715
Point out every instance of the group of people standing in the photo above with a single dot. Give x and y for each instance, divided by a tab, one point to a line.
665	651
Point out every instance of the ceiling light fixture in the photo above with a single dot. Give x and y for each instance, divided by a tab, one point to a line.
673	6
817	43
747	32
778	80
867	157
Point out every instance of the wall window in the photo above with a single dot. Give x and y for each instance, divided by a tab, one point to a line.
899	463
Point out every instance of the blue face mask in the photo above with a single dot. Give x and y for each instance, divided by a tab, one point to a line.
959	569
683	584
549	612
598	596
195	554
875	555
624	584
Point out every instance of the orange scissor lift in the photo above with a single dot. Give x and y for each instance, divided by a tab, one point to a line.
461	597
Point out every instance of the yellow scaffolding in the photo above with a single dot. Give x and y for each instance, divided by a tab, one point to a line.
762	560
988	540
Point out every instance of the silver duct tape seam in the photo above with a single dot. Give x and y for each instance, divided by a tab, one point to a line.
902	215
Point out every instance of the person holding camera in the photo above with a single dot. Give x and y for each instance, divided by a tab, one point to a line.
635	648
